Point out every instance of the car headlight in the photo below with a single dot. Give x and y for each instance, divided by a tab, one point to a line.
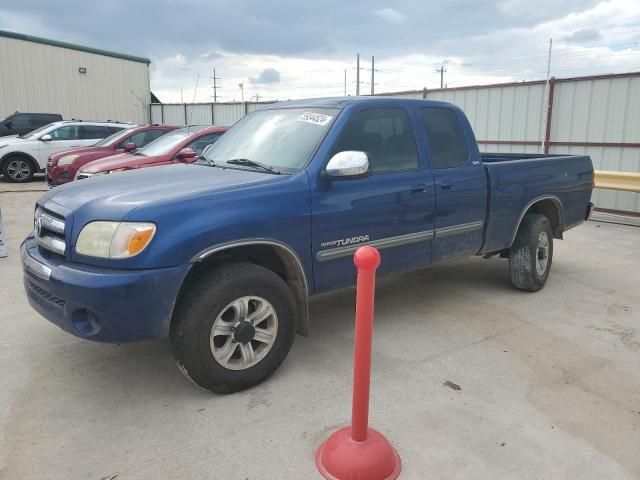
2	146
114	239
67	159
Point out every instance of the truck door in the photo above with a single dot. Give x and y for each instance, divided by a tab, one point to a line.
460	184
392	207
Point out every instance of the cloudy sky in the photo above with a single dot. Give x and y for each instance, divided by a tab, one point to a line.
291	49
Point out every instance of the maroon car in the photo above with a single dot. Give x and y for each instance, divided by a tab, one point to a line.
180	146
63	166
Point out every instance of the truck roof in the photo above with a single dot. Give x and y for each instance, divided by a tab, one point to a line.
342	102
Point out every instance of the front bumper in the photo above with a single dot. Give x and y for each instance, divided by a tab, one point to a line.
58	175
105	305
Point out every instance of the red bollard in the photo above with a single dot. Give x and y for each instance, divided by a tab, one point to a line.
360	452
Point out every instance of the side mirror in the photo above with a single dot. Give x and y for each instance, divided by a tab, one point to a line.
350	163
46	138
186	155
8	124
130	147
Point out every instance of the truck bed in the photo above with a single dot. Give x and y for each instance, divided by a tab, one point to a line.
516	181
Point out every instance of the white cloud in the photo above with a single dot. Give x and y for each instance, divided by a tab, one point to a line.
389	15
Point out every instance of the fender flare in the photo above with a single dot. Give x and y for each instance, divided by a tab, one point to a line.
560	209
299	285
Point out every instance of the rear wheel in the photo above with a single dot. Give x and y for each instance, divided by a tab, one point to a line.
234	328
531	254
18	169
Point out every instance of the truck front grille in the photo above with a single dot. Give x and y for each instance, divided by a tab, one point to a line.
49	231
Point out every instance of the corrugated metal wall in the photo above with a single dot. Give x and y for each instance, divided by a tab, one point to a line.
222	114
35	77
597	116
601	111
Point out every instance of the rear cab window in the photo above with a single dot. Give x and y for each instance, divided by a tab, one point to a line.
447	142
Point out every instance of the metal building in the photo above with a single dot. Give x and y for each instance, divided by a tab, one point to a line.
48	76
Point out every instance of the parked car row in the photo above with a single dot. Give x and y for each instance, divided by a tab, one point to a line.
178	146
63	166
69	150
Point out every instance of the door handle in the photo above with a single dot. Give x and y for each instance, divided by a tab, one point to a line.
446	186
419	188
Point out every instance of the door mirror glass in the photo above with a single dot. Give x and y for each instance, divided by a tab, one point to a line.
350	163
46	138
186	154
130	147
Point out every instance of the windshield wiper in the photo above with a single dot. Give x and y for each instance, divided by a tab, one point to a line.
252	163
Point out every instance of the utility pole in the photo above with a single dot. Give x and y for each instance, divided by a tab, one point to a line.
357	74
442	71
372	73
545	100
345	82
195	90
215	86
181	96
241	85
257	97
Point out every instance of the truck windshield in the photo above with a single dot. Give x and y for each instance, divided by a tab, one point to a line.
283	139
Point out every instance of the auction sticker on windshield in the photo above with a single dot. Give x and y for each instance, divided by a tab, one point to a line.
315	118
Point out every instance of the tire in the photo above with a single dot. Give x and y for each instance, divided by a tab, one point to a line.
18	169
527	267
216	298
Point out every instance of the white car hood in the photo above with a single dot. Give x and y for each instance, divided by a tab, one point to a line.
10	139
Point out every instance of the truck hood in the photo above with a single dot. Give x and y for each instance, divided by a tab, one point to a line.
112	196
120	161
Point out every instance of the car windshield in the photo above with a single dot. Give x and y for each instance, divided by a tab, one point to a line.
283	139
113	138
164	144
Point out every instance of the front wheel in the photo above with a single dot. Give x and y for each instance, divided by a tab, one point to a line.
234	328
531	254
18	169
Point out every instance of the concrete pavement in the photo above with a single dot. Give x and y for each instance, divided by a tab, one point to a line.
549	382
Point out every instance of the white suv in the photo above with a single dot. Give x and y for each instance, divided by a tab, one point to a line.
22	156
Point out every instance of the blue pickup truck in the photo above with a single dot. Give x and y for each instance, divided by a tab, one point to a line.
222	254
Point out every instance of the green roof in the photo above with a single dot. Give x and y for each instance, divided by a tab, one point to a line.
72	46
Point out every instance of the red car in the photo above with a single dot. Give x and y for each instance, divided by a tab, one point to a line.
63	166
180	146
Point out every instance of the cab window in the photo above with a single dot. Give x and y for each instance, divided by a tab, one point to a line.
385	135
447	141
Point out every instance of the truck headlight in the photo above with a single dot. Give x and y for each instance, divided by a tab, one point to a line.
114	239
67	159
